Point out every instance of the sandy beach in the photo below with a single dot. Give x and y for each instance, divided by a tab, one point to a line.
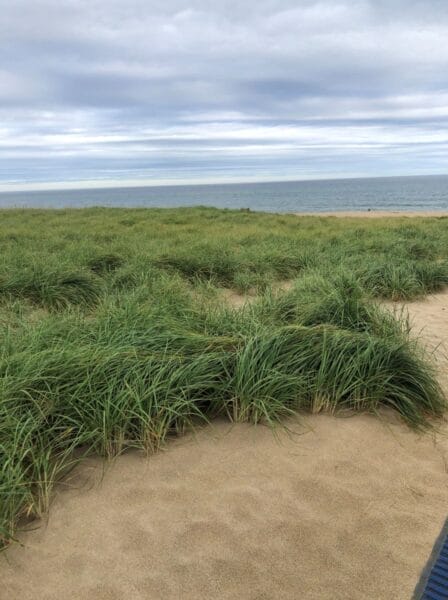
375	214
335	508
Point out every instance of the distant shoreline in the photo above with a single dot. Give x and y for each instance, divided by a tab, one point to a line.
375	214
340	214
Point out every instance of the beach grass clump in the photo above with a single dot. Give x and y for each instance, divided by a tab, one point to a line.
242	267
285	262
202	262
105	263
336	298
432	275
406	280
325	368
51	289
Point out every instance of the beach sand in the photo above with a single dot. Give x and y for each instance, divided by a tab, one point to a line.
375	214
343	508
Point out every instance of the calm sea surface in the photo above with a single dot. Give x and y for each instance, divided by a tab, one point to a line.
385	193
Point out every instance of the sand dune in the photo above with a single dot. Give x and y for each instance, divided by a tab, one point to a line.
338	508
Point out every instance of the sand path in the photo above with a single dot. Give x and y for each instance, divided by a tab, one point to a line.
340	509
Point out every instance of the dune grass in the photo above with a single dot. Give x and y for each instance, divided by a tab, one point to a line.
113	334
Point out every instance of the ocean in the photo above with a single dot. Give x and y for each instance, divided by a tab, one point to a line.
379	193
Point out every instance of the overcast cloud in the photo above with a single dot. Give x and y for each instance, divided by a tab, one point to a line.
149	90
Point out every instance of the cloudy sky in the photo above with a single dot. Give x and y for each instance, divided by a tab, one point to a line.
141	91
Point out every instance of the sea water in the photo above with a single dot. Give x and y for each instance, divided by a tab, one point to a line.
379	193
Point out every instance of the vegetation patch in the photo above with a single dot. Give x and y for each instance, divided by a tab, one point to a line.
50	289
105	263
99	354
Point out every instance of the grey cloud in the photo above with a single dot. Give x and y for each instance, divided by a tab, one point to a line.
280	86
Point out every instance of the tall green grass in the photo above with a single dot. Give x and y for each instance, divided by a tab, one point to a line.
50	289
113	335
136	374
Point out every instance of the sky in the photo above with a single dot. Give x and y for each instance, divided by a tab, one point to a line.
133	92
